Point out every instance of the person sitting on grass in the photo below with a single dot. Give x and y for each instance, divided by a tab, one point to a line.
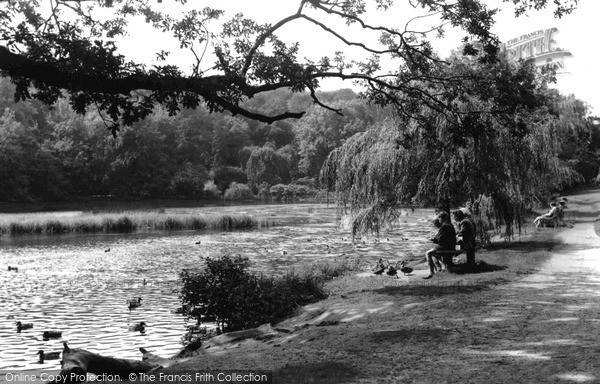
445	240
548	215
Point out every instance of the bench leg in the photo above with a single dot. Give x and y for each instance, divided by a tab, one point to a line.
447	259
470	256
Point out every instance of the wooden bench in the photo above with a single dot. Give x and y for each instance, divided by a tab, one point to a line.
447	255
548	221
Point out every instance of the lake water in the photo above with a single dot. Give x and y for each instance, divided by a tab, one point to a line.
79	284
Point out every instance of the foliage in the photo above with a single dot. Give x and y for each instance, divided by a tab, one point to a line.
189	181
71	48
500	141
320	132
266	166
211	189
238	192
264	191
227	291
291	192
162	157
277	191
224	176
228	141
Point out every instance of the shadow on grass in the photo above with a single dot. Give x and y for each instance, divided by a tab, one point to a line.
580	215
544	242
432	288
323	372
422	335
479	267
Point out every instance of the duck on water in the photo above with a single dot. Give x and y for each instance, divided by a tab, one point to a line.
52	335
134	303
48	356
22	326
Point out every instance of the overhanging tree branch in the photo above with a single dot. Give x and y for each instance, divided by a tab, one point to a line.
71	50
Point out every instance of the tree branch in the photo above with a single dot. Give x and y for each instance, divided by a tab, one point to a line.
208	87
269	32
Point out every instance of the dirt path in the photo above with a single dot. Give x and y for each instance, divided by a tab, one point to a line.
539	328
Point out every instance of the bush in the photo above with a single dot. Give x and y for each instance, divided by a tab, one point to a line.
189	181
224	176
237	299
238	192
211	190
264	191
277	192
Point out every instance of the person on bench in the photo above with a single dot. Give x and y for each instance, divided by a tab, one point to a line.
445	240
550	216
466	233
560	213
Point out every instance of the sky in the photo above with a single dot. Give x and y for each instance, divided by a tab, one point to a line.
575	34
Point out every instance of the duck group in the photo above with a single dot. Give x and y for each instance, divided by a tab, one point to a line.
391	269
14	269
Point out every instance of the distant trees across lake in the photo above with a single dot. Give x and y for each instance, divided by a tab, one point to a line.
53	154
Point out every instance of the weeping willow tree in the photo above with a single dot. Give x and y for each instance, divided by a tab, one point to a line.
492	145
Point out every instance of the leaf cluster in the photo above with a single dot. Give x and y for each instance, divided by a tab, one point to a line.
238	299
496	136
68	47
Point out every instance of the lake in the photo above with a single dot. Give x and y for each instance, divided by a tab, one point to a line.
79	283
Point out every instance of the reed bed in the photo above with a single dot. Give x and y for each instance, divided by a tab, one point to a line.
90	222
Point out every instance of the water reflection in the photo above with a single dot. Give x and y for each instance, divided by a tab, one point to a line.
71	284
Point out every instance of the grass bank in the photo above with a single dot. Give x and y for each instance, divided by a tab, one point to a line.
89	222
370	323
501	263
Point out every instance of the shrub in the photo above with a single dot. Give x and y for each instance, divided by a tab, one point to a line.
189	181
264	191
237	299
224	176
124	224
211	190
277	191
238	191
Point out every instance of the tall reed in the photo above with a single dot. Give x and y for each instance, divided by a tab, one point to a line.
90	222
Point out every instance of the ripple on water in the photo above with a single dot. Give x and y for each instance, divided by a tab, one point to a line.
68	283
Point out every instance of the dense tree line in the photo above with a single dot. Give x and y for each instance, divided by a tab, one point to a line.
55	154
